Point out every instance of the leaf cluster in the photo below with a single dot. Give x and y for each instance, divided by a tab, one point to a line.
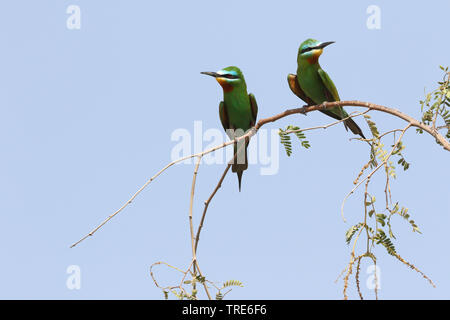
436	104
285	138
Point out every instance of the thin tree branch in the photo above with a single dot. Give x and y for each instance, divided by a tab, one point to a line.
203	282
354	103
303	110
219	184
327	125
374	170
191	227
191	204
207	202
200	154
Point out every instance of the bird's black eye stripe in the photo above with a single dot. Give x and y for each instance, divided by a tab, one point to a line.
307	49
229	76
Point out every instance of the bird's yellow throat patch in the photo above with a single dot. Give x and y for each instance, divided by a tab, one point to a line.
224	84
315	56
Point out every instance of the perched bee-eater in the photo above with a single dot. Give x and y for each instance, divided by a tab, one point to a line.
314	86
237	112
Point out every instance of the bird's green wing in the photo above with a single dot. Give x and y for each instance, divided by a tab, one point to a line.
223	114
295	88
329	85
332	95
254	107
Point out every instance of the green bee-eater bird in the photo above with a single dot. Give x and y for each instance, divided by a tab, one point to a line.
314	86
237	112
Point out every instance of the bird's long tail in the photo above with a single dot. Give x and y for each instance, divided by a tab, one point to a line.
240	162
349	123
339	114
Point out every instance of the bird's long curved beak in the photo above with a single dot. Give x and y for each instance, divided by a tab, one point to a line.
324	44
212	74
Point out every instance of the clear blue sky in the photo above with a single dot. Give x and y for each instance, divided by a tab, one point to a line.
86	117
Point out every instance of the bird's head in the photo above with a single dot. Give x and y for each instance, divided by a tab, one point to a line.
228	78
310	50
